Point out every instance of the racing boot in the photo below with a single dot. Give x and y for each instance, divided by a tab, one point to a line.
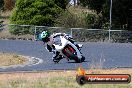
57	57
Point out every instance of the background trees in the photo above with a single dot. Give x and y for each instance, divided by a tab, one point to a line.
121	12
61	3
84	13
1	4
35	12
45	12
9	4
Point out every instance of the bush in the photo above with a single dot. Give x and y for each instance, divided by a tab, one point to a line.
92	21
35	12
1	4
71	20
9	4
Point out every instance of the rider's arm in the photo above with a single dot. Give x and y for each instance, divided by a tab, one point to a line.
49	48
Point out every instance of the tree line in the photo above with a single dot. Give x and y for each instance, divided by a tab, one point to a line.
121	12
56	13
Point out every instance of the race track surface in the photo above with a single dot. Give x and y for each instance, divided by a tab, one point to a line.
98	55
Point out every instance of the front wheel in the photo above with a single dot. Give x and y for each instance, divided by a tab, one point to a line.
82	59
78	60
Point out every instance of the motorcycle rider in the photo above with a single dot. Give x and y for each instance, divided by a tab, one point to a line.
51	39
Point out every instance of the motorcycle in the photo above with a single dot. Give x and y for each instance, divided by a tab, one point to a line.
68	50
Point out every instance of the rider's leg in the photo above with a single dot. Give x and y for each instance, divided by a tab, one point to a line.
57	56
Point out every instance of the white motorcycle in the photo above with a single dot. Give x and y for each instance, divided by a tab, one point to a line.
68	50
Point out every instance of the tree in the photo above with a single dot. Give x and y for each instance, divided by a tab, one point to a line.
35	12
70	20
121	12
1	4
96	5
61	3
100	7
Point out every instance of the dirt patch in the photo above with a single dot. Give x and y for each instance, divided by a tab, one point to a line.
7	59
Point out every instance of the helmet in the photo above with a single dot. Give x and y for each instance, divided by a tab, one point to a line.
44	36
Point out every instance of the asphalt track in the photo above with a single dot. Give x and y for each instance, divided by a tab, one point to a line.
98	55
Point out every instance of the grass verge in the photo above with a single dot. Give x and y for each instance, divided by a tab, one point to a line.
56	79
7	59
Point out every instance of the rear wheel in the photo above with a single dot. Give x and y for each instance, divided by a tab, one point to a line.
78	60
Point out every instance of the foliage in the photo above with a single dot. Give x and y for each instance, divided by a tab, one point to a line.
61	3
91	20
121	12
35	12
75	17
1	4
101	7
71	20
9	4
96	5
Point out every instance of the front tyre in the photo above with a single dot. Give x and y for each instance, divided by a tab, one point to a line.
78	60
82	59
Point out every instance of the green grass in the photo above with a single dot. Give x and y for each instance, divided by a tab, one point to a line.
56	82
